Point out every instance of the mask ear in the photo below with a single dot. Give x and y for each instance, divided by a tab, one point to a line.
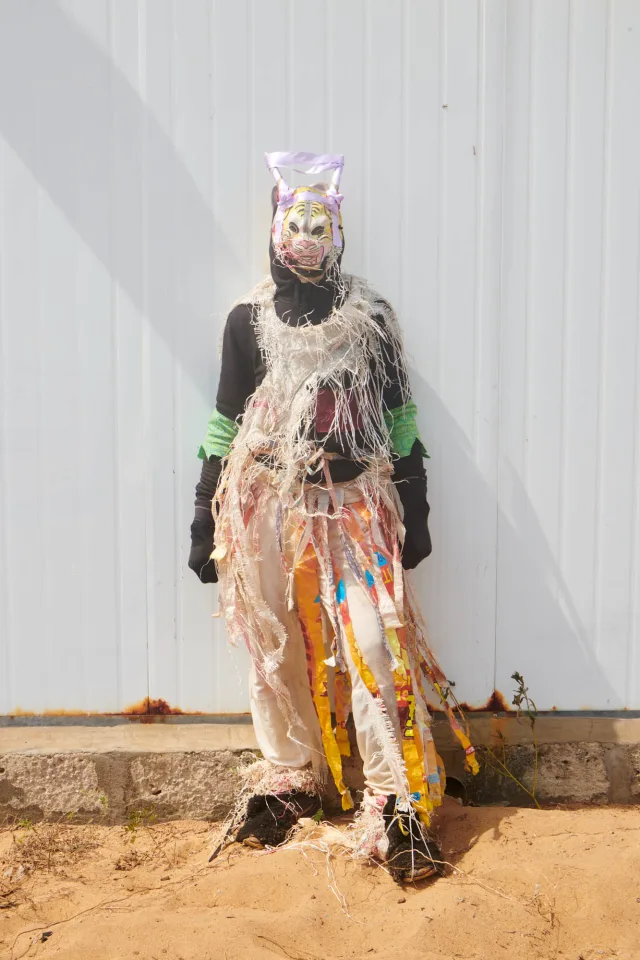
274	199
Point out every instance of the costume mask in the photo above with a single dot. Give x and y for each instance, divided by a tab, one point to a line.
307	226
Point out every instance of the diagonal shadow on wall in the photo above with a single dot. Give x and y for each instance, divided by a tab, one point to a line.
536	619
75	121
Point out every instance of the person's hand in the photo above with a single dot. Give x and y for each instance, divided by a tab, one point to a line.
417	540
202	534
410	478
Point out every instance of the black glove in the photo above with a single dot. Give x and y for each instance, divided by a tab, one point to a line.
417	540
203	526
202	533
410	478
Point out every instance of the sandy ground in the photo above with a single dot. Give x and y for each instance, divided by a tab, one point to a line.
523	884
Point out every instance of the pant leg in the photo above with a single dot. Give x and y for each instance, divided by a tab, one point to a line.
303	744
377	772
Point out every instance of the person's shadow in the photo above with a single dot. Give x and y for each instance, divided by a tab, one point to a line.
496	601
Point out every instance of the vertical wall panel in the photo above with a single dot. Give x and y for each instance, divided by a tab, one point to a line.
6	648
383	146
421	313
583	324
129	324
271	109
420	176
307	58
235	157
347	122
160	371
534	625
22	461
59	413
466	546
569	420
619	355
551	128
194	253
481	455
491	193
96	602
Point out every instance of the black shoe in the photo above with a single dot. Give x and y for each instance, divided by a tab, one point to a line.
269	819
412	855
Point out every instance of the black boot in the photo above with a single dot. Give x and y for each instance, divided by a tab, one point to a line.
269	819
412	855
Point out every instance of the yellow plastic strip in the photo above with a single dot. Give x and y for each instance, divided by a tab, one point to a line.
412	749
411	745
343	702
310	614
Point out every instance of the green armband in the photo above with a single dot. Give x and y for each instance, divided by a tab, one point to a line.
403	429
221	432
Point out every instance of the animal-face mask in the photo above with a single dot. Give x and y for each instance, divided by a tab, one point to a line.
307	225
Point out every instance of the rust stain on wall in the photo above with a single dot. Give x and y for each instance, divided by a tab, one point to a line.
152	708
147	707
63	713
495	704
19	712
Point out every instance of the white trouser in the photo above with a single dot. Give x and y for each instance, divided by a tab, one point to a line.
270	726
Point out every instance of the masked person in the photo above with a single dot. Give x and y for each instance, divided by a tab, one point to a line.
314	489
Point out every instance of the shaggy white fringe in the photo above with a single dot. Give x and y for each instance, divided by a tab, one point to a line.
263	778
275	443
361	333
367	834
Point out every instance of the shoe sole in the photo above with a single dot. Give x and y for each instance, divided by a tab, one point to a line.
423	874
252	842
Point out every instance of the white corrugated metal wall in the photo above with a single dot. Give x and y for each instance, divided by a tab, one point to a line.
492	193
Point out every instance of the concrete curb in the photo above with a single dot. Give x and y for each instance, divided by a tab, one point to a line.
191	770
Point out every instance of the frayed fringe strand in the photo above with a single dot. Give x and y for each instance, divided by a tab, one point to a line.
263	778
367	833
361	333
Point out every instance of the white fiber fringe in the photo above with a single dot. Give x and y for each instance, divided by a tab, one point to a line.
275	443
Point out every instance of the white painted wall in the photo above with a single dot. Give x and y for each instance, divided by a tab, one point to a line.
492	193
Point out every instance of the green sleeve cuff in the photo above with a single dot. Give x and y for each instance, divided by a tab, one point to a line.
221	432
403	429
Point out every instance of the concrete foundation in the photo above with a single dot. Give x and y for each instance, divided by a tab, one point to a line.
191	770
